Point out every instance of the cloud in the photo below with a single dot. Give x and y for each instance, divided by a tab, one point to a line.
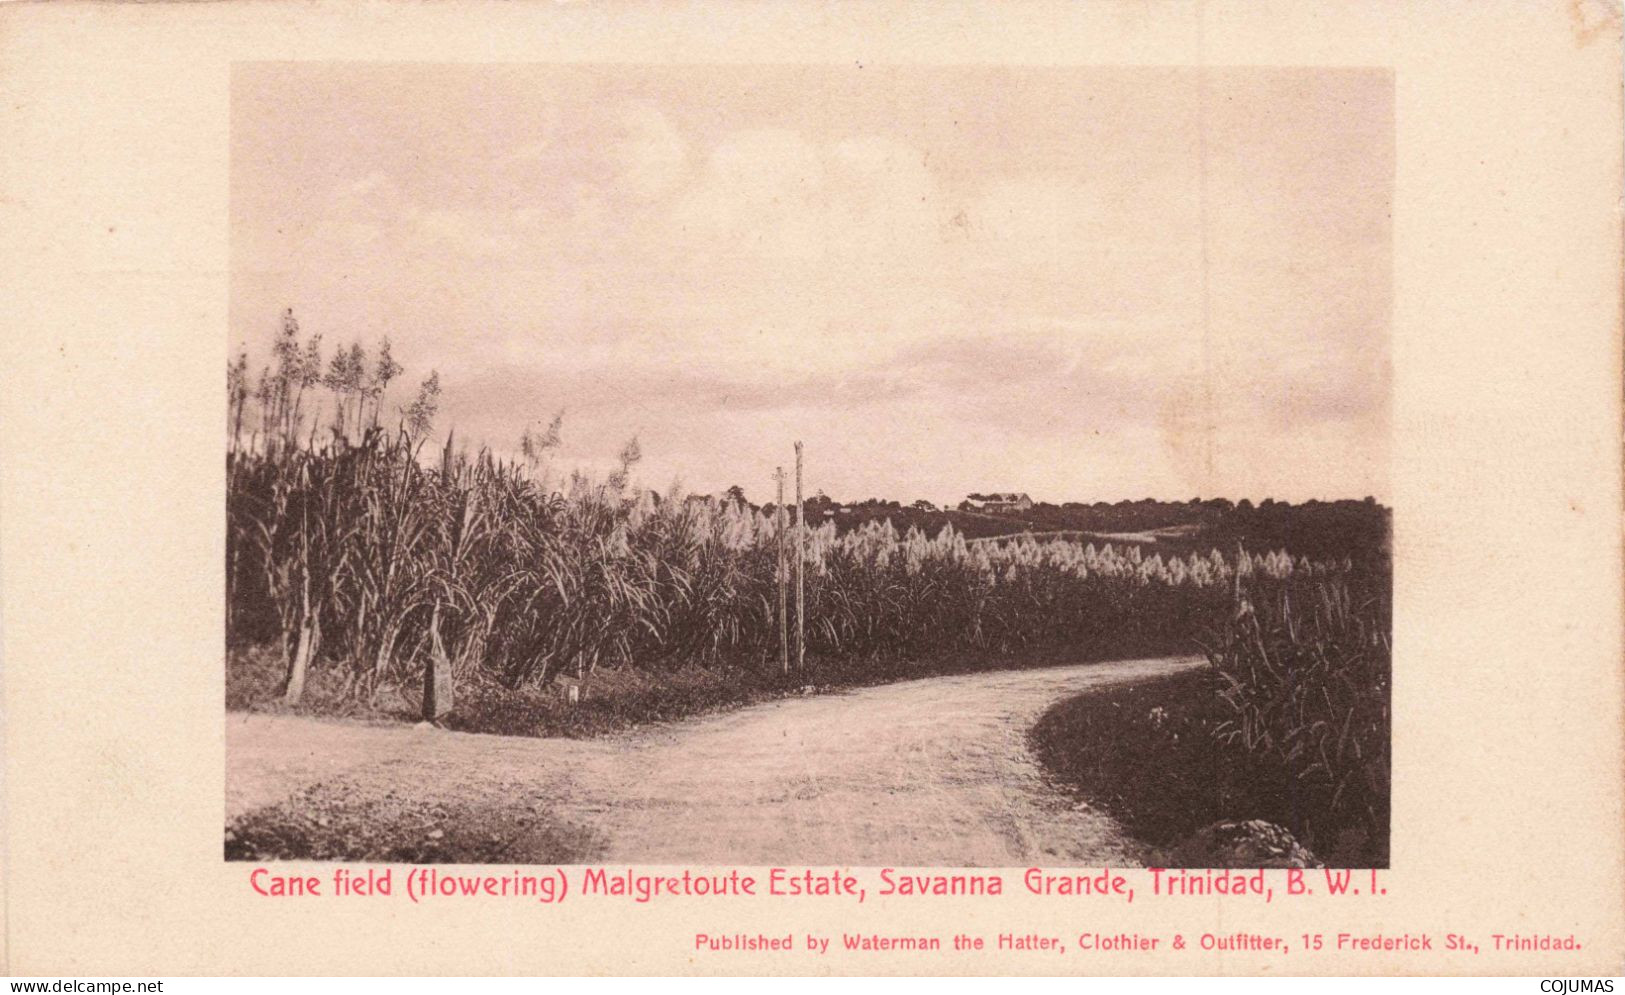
720	270
774	197
627	152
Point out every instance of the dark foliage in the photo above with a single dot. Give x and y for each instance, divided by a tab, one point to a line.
1290	723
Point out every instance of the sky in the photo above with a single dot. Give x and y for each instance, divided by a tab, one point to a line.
1082	283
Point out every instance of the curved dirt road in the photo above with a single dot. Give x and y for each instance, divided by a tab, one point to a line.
933	772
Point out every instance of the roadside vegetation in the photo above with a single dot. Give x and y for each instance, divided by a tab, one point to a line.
338	820
1290	723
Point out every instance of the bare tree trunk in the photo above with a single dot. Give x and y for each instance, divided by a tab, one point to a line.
784	617
437	682
801	569
309	628
231	584
310	636
386	650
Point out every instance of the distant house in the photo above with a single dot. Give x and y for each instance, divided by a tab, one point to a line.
998	503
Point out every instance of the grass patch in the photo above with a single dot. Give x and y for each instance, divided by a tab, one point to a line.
1144	752
339	820
1148	754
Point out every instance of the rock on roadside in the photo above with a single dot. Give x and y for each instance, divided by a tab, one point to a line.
1236	843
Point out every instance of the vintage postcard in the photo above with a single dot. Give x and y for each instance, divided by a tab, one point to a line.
965	489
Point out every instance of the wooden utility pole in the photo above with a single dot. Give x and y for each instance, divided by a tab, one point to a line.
779	520
801	568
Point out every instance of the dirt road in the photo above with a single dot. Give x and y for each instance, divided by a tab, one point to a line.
921	773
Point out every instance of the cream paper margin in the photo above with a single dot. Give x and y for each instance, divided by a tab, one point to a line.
1506	482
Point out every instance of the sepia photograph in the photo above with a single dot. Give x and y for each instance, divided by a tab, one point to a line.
804	490
851	465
